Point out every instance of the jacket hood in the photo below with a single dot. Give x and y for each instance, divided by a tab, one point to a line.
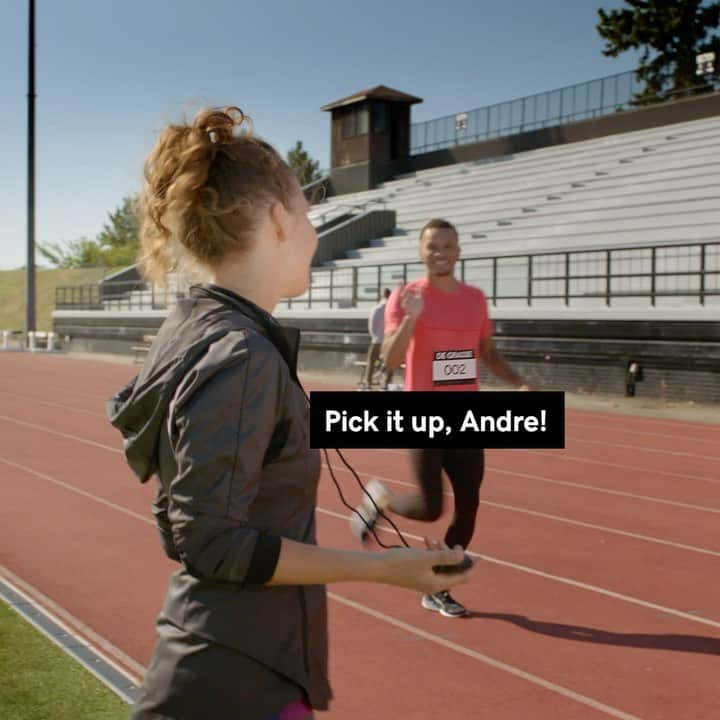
139	409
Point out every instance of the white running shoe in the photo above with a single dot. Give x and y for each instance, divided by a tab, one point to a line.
445	604
366	514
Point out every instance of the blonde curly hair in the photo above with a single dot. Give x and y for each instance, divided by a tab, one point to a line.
205	186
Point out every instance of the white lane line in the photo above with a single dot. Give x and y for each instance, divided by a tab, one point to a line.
693	425
556	578
73	392
559	455
485	659
643	448
48	403
497	561
608	491
557	518
563	455
632	431
506	507
494	469
67	436
79	491
487	558
139	670
613	531
123	663
419	632
634	468
574	424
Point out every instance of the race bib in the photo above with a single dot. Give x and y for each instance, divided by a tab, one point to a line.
454	367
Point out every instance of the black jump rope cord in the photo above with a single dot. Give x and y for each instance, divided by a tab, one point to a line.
379	511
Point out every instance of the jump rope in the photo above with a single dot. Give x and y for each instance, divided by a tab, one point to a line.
378	510
465	564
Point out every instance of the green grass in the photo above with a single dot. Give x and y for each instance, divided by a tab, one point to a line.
38	681
12	294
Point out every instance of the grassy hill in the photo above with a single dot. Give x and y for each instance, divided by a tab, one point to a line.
12	294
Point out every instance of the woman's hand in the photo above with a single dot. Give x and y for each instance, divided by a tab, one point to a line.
413	568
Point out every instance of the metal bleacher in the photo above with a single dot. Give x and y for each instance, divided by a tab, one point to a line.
634	217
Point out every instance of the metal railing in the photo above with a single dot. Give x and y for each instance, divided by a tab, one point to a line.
591	99
117	295
600	277
643	275
336	210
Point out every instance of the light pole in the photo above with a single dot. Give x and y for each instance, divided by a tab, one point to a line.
30	285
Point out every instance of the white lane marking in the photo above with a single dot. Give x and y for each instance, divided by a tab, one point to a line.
557	578
644	448
487	558
67	436
77	490
562	455
648	433
64	407
557	518
485	659
609	491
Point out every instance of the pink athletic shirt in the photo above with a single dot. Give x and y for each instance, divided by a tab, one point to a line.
443	351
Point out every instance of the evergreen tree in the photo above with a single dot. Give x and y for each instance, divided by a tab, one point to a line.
673	31
307	169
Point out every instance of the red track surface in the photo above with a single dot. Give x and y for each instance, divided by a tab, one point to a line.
597	595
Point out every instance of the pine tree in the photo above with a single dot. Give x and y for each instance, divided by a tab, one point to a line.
305	167
675	31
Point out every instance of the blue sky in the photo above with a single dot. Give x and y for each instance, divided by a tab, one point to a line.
110	75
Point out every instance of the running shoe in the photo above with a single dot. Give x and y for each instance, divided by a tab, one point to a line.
445	604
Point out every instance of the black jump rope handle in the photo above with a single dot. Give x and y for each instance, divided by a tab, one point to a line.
466	564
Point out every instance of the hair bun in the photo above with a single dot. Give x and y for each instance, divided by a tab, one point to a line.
219	123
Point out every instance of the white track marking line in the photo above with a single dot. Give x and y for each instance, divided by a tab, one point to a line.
66	407
644	448
634	468
609	491
556	578
485	659
506	507
632	431
79	491
493	469
562	455
497	561
468	652
557	518
67	436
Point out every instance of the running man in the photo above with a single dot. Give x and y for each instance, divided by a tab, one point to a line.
423	322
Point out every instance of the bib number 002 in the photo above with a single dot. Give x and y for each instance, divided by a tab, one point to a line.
454	367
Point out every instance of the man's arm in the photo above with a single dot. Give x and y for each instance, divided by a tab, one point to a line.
408	305
396	343
497	364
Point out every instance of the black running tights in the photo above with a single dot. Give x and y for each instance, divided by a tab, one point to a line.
464	468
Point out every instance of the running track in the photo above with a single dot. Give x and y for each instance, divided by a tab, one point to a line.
597	593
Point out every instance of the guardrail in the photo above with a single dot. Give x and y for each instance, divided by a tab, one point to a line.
643	275
571	278
583	101
116	295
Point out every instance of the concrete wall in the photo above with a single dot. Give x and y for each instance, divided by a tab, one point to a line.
680	360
